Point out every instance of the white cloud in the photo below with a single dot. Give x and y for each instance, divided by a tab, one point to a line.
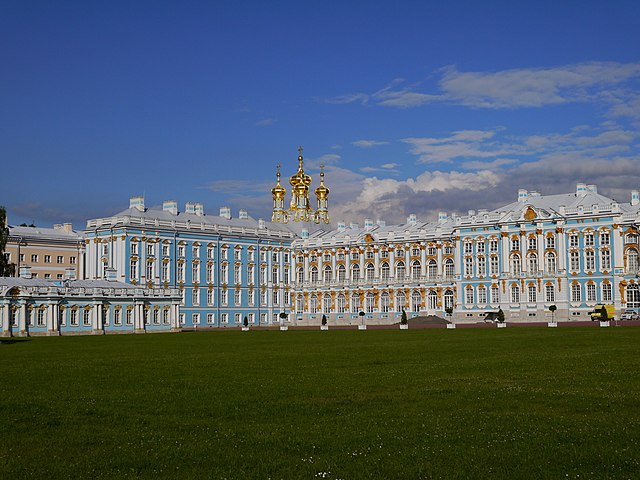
603	82
369	143
266	121
462	144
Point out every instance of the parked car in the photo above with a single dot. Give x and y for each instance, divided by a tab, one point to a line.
629	315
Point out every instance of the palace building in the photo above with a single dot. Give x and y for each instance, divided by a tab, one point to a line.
571	250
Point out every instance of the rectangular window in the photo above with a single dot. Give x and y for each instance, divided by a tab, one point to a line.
482	295
591	292
251	298
607	292
604	238
129	317
224	297
60	259
588	240
181	251
74	318
165	316
480	247
86	318
224	318
468	299
47	275
589	260
493	245
165	250
133	248
573	240
237	254
495	294
550	294
34	257
210	297
195	296
72	260
237	297
133	270
605	260
195	319
551	242
151	249
238	318
196	252
210	318
47	259
117	317
532	296
574	261
576	293
468	247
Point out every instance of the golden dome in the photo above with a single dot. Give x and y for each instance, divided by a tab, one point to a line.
278	191
322	192
300	179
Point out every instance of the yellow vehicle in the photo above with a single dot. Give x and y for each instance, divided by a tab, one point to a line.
603	312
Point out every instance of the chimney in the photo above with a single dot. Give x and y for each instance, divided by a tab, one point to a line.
581	190
368	224
412	219
635	197
137	203
199	209
341	226
522	195
170	206
353	226
57	226
381	223
25	271
243	215
225	212
471	213
190	208
67	227
305	233
592	188
261	224
442	217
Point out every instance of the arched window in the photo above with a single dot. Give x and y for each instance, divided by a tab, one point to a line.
326	303
633	296
327	273
400	271
415	269
370	302
299	304
342	302
533	264
551	263
355	272
449	268
342	273
433	300
314	274
384	302
432	269
370	271
355	302
384	271
515	264
300	274
313	304
632	260
448	299
416	300
401	301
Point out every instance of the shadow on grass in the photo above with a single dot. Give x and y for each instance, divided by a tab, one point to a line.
11	341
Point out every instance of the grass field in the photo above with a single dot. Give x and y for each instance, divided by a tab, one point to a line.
512	403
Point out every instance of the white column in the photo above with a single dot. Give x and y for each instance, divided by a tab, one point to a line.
306	266
440	260
423	260
4	320
22	319
506	249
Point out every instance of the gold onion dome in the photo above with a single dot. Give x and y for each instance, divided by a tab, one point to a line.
322	192
300	179
278	191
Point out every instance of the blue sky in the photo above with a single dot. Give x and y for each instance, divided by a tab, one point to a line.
414	107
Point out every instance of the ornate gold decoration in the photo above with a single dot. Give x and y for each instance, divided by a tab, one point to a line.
299	208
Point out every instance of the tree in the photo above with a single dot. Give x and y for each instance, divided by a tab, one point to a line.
6	269
246	321
500	316
403	320
324	319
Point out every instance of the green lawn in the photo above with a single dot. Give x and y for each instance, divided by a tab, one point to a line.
435	403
